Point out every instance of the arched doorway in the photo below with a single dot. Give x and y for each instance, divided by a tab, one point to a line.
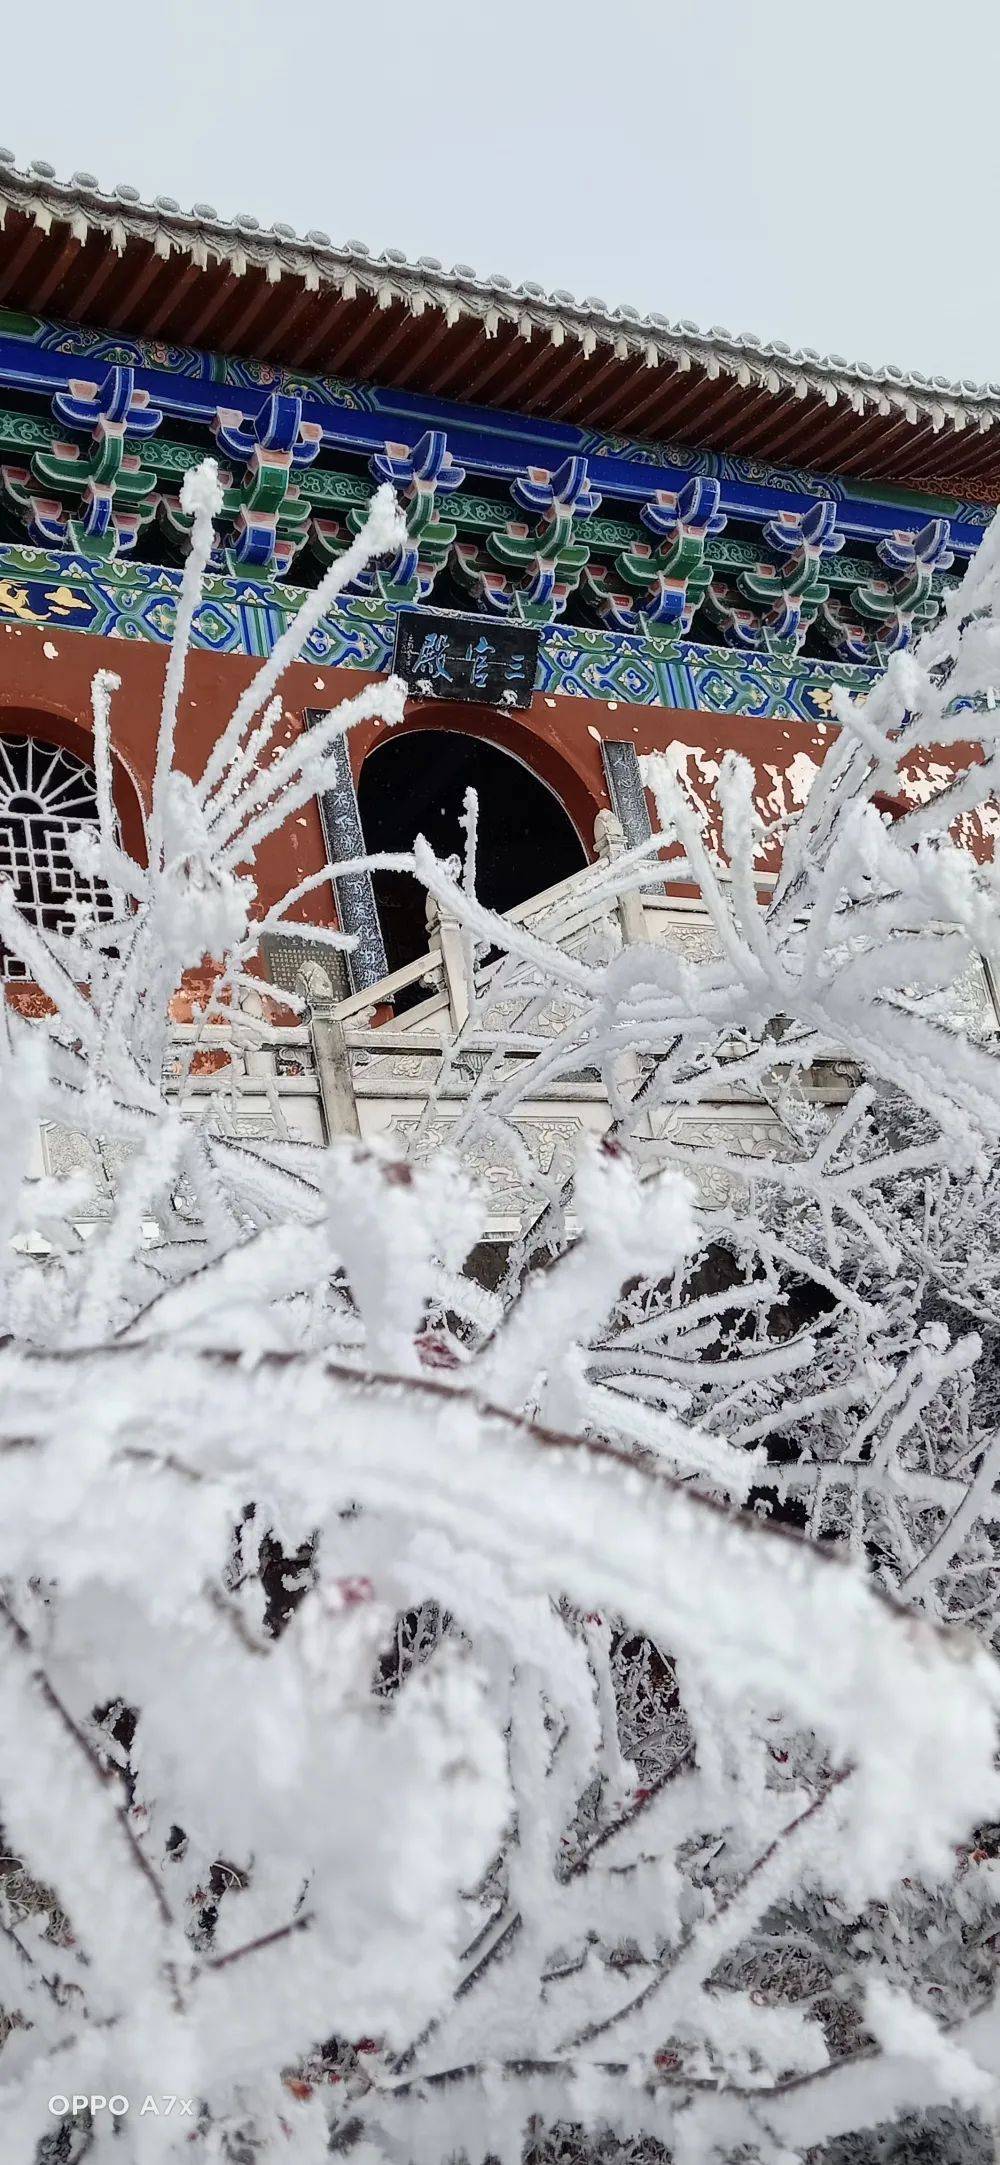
415	783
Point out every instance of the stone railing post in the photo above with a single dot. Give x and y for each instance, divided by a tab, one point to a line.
609	842
451	940
329	1046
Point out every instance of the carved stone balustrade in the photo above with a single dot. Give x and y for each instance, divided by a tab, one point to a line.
406	1081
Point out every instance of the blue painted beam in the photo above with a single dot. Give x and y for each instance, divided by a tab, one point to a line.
488	443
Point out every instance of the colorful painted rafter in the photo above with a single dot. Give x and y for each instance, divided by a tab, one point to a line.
111	493
42	357
898	608
419	476
668	582
538	567
265	515
792	591
95	476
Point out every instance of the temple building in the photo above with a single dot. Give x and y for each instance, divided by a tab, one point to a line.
623	535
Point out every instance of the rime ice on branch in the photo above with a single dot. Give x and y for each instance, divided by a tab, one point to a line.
409	1733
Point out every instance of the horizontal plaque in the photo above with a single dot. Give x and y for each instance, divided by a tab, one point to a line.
441	655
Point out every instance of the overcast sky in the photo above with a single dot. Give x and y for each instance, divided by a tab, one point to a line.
822	171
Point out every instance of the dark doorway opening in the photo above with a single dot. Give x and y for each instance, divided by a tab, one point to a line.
415	784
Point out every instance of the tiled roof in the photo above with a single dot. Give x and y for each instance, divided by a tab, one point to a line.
269	291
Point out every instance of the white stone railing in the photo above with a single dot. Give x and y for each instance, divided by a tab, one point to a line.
354	1067
404	1079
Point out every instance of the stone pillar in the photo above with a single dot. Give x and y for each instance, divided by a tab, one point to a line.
333	1064
452	942
609	842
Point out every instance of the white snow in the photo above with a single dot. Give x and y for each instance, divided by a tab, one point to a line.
566	1786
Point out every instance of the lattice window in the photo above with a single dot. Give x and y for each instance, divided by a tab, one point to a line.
45	794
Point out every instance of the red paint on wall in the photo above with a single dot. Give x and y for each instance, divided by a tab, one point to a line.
48	693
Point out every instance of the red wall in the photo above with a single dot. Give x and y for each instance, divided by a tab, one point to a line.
45	679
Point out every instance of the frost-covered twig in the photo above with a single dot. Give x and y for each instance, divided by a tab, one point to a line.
441	1622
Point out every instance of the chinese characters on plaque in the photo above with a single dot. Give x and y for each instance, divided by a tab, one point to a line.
445	656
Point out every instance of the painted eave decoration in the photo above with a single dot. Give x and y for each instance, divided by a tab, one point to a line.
89	254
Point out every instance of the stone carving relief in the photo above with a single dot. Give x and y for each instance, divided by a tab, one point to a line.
691	937
720	1134
552	1143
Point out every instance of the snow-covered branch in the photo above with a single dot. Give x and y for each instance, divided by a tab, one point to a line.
413	1739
